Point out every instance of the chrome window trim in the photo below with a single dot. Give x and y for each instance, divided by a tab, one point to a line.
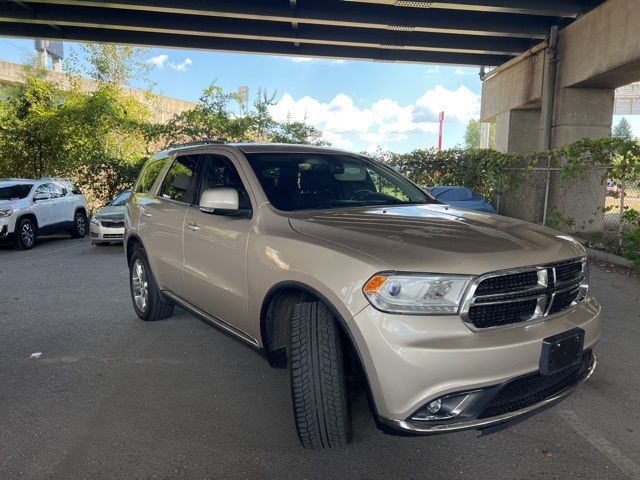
469	296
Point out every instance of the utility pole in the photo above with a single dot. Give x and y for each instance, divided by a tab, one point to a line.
440	125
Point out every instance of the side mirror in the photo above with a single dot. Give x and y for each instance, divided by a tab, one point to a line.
225	199
40	196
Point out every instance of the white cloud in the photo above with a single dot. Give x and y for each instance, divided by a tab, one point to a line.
326	61
432	70
373	148
384	121
181	67
336	139
465	71
460	104
300	59
158	61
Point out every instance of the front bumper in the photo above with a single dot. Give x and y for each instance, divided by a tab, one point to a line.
100	233
6	228
490	422
413	360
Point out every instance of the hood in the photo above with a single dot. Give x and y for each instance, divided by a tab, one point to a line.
110	212
437	238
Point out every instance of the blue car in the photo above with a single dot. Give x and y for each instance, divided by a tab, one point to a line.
461	197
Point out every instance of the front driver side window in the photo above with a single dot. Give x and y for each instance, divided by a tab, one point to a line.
219	172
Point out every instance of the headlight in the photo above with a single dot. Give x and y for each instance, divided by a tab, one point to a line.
6	212
94	221
416	294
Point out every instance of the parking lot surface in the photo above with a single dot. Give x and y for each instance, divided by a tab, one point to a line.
113	397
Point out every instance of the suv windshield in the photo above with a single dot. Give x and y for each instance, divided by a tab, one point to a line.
14	192
300	181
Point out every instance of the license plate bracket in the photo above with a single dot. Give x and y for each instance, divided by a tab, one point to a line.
561	351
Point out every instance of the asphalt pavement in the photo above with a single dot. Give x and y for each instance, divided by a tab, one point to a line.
112	397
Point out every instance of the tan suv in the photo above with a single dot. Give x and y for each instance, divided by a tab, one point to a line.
333	264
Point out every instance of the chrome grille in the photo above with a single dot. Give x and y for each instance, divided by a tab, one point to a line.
112	223
525	294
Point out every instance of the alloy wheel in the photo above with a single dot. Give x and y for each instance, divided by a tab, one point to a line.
139	285
27	234
81	225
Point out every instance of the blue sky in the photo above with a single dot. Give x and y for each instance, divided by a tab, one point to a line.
357	105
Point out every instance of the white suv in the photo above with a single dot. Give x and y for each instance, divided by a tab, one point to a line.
29	208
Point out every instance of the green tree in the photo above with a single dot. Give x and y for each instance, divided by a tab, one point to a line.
32	126
623	129
108	63
472	134
225	117
96	138
297	132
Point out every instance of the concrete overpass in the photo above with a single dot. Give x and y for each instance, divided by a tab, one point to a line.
461	32
567	92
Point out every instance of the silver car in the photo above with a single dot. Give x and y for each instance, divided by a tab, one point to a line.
107	225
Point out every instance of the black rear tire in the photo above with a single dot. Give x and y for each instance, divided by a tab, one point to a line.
318	388
26	234
154	307
79	229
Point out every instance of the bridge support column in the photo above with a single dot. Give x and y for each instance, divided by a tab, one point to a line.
517	130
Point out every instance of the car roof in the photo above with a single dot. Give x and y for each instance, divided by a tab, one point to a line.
260	148
7	182
285	148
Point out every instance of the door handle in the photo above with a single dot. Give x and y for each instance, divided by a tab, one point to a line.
193	226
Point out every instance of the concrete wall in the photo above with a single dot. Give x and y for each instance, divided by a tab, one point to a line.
519	87
163	108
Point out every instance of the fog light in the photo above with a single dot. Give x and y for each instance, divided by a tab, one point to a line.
450	406
434	406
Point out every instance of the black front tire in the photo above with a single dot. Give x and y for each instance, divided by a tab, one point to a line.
26	234
155	306
318	387
79	229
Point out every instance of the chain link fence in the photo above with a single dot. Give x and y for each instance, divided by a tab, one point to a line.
593	207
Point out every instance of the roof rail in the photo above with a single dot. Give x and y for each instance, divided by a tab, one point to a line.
55	179
205	141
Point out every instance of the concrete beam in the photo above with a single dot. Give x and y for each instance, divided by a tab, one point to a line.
518	87
602	48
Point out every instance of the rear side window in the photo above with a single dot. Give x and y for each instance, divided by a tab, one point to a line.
179	183
150	174
58	191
